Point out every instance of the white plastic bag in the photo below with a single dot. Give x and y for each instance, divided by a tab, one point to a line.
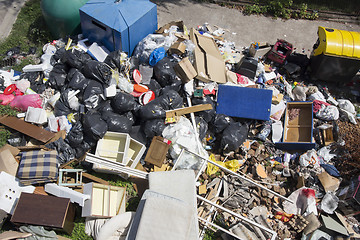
182	135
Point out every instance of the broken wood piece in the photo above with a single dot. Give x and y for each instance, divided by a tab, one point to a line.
202	189
173	115
28	129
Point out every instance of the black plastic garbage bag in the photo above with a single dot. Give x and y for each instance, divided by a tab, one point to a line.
175	86
114	59
58	55
202	127
98	71
85	146
153	127
94	126
77	80
220	122
170	100
105	106
75	136
57	76
155	87
207	115
117	122
157	107
233	136
164	72
62	107
65	152
124	102
152	110
75	59
129	115
93	94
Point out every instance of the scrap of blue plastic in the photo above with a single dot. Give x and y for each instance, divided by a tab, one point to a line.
156	56
330	169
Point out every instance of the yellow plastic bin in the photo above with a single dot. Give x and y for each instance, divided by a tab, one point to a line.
336	55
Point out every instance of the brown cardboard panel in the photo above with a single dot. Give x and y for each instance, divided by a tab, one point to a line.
29	129
329	182
14	235
8	163
157	151
209	63
179	24
14	150
177	48
185	70
298	122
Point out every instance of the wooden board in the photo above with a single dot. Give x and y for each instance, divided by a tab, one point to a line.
28	129
48	211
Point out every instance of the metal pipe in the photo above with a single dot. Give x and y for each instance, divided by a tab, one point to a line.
244	178
220	228
273	233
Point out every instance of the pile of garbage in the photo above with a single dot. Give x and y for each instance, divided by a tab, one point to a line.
246	130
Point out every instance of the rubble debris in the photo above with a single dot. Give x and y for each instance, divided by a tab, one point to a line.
174	104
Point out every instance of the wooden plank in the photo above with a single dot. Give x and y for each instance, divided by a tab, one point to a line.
49	211
187	110
28	129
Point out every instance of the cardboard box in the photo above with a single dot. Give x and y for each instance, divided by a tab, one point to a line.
177	48
157	151
260	50
47	211
209	63
298	127
179	24
185	70
105	200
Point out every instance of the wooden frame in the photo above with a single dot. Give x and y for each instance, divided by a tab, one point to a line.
105	200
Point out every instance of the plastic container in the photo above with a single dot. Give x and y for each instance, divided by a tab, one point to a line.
62	16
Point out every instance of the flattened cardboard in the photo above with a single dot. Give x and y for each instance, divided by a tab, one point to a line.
329	182
29	129
14	150
8	235
177	48
157	151
8	163
185	70
209	63
179	24
333	225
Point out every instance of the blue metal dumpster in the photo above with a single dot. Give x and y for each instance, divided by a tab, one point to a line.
118	25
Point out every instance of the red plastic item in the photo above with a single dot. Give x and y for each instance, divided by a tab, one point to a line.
10	89
147	97
6	99
25	101
137	76
140	88
280	51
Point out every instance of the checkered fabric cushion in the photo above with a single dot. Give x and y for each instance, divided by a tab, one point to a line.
38	167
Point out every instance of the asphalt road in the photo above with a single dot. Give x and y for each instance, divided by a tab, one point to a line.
242	30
